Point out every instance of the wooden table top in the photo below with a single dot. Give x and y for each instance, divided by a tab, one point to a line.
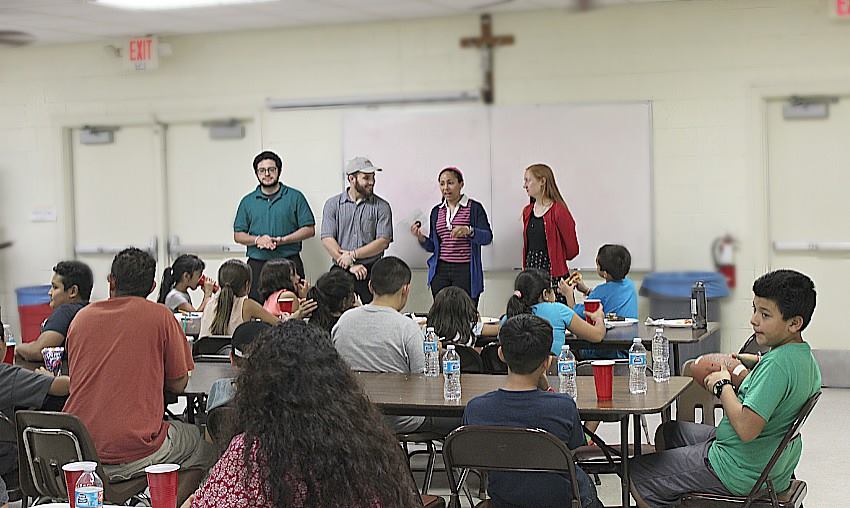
625	334
415	394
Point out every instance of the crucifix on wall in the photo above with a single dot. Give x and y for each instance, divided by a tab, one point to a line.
487	42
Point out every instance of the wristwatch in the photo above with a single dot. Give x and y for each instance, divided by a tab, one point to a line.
718	387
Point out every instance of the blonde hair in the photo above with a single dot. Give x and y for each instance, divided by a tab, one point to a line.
550	188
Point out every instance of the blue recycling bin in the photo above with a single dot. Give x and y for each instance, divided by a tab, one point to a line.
669	296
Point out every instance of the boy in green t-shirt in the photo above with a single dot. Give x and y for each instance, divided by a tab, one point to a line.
730	458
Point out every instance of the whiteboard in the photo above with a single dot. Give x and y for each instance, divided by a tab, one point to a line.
602	158
412	145
601	155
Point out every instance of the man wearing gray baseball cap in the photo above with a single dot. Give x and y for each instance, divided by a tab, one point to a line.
357	225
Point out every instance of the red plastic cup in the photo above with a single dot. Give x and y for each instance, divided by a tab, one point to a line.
73	471
203	280
10	354
591	305
603	376
285	304
162	481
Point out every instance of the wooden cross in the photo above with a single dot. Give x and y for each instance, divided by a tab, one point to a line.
487	42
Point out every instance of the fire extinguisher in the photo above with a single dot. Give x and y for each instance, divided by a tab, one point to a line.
723	251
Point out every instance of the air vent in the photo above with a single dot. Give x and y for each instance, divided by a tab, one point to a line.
15	38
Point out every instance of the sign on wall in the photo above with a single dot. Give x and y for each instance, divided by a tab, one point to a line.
142	53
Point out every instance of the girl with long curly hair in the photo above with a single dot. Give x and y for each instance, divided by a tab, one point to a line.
311	438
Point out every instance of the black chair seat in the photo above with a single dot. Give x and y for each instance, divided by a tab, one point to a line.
791	498
591	453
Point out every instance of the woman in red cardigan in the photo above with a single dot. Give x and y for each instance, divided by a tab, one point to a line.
549	231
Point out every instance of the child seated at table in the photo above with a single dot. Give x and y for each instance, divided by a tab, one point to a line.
525	344
223	390
231	307
456	319
22	388
184	274
533	295
730	458
334	294
617	294
280	281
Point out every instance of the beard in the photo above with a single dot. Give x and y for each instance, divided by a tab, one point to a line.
271	186
362	190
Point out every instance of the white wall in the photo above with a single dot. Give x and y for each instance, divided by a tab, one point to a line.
703	63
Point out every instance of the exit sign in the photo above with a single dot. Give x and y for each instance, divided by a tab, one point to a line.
142	53
839	9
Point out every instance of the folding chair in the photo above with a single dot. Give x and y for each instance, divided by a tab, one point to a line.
492	448
212	345
8	438
792	497
46	442
491	361
470	360
222	426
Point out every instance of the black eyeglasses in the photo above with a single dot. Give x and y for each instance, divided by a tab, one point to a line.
269	171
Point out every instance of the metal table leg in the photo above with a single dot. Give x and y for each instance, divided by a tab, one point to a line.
638	435
624	455
676	367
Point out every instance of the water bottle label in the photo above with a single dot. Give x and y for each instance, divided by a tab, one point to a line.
637	359
429	347
90	497
451	367
566	368
693	306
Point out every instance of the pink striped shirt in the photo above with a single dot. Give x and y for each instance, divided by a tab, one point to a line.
453	250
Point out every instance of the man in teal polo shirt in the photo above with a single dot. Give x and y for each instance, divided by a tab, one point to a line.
273	220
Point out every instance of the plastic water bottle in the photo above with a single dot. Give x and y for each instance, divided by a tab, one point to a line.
567	372
432	354
451	374
637	367
88	493
660	357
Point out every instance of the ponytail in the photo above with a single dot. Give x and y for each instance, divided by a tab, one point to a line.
223	310
529	287
166	284
233	274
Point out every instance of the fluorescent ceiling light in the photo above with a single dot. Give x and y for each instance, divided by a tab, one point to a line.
154	5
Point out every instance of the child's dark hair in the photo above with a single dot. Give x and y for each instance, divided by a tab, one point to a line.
233	276
452	315
276	275
76	273
133	271
528	290
333	294
186	263
614	259
793	293
526	341
389	274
